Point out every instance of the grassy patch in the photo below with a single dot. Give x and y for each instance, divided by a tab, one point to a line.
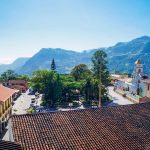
43	103
75	103
86	103
82	100
95	103
30	110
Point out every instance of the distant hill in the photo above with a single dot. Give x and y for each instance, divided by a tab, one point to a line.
121	57
65	60
14	66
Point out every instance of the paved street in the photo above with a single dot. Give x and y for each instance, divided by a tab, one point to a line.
117	99
22	103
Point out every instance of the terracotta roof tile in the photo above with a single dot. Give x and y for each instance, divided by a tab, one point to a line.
121	128
146	80
18	81
6	145
125	79
144	100
5	93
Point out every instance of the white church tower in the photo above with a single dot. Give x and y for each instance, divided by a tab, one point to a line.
138	68
137	76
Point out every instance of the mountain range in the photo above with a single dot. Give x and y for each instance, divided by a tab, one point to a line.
121	57
16	65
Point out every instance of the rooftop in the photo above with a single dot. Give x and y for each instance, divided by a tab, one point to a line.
18	81
6	145
120	127
126	80
146	80
144	100
5	93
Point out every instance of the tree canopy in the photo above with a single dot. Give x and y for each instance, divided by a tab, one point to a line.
80	71
48	83
99	67
8	75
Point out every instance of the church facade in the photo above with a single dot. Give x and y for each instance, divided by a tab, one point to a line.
140	81
138	74
138	86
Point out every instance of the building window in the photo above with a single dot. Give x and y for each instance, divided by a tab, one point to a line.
148	87
139	70
3	108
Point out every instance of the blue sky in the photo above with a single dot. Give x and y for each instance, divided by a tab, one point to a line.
28	25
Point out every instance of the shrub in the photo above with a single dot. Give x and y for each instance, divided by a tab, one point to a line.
75	103
86	103
42	102
95	103
31	110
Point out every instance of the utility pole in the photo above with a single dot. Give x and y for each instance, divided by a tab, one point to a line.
100	88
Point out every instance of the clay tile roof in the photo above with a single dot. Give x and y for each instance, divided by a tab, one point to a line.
113	128
138	62
125	79
18	81
6	145
146	80
5	93
144	99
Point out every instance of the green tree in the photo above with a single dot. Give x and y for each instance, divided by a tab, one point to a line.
91	89
8	75
80	71
48	83
23	77
116	72
101	72
69	90
124	73
88	86
53	66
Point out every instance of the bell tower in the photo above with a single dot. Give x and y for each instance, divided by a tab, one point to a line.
138	68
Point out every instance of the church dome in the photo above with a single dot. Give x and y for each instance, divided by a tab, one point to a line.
138	62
